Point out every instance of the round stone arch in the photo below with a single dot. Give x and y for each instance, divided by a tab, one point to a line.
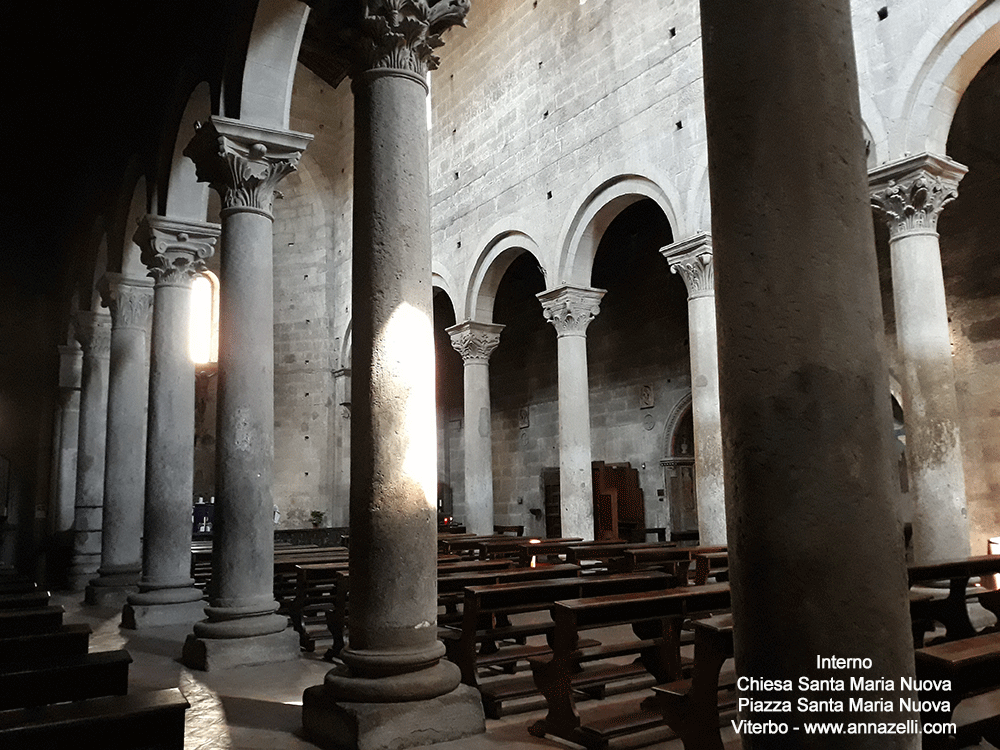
442	279
502	250
681	512
131	207
179	195
945	60
603	202
93	263
672	427
268	70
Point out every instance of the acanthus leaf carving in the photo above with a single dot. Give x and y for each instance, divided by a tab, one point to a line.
129	300
93	331
910	194
403	34
174	250
692	260
571	308
475	341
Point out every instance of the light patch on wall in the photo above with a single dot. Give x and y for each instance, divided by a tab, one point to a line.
203	331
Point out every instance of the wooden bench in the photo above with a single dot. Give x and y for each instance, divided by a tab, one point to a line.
951	610
66	640
655	619
64	678
486	624
152	720
691	708
676	560
973	667
607	551
516	530
24	599
711	565
21	621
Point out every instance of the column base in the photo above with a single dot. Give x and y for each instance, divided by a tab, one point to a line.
140	616
104	595
340	725
82	571
209	654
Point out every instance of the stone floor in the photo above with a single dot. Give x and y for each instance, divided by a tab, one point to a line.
258	708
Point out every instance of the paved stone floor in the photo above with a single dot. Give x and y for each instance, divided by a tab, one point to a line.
259	708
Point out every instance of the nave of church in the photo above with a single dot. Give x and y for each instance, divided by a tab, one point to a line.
562	269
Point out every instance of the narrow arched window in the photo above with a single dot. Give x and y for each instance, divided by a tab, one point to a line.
204	326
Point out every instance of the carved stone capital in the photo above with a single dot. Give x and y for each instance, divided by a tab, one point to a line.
692	259
70	364
174	250
244	163
910	193
93	331
130	300
571	308
475	341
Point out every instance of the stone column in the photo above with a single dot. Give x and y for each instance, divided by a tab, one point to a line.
476	342
244	164
815	536
70	374
570	309
130	301
342	457
394	685
93	331
174	252
909	194
692	259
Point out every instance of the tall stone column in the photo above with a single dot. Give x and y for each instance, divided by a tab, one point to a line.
476	342
93	331
130	301
244	164
174	251
909	194
70	375
692	259
394	685
815	536
570	309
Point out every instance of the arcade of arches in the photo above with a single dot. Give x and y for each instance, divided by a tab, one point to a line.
618	244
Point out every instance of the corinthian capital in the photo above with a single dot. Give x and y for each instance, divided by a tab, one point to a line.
475	341
403	34
692	259
244	163
93	331
910	193
571	308
175	250
130	300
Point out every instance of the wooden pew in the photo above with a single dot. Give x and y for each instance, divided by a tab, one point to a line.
451	586
973	667
676	560
64	678
486	623
152	720
710	565
655	619
691	708
951	610
66	640
609	550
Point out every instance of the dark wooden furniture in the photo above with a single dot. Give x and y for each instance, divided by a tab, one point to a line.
951	610
619	507
973	667
655	618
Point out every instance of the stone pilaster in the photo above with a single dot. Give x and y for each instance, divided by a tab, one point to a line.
68	436
909	195
815	538
692	260
570	309
244	164
130	302
174	251
93	331
394	683
476	342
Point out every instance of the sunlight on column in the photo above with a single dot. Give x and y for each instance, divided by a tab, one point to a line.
409	343
200	325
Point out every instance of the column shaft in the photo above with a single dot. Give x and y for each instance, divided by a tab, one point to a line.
692	258
173	251
244	164
570	309
803	381
94	333
124	470
71	363
910	195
